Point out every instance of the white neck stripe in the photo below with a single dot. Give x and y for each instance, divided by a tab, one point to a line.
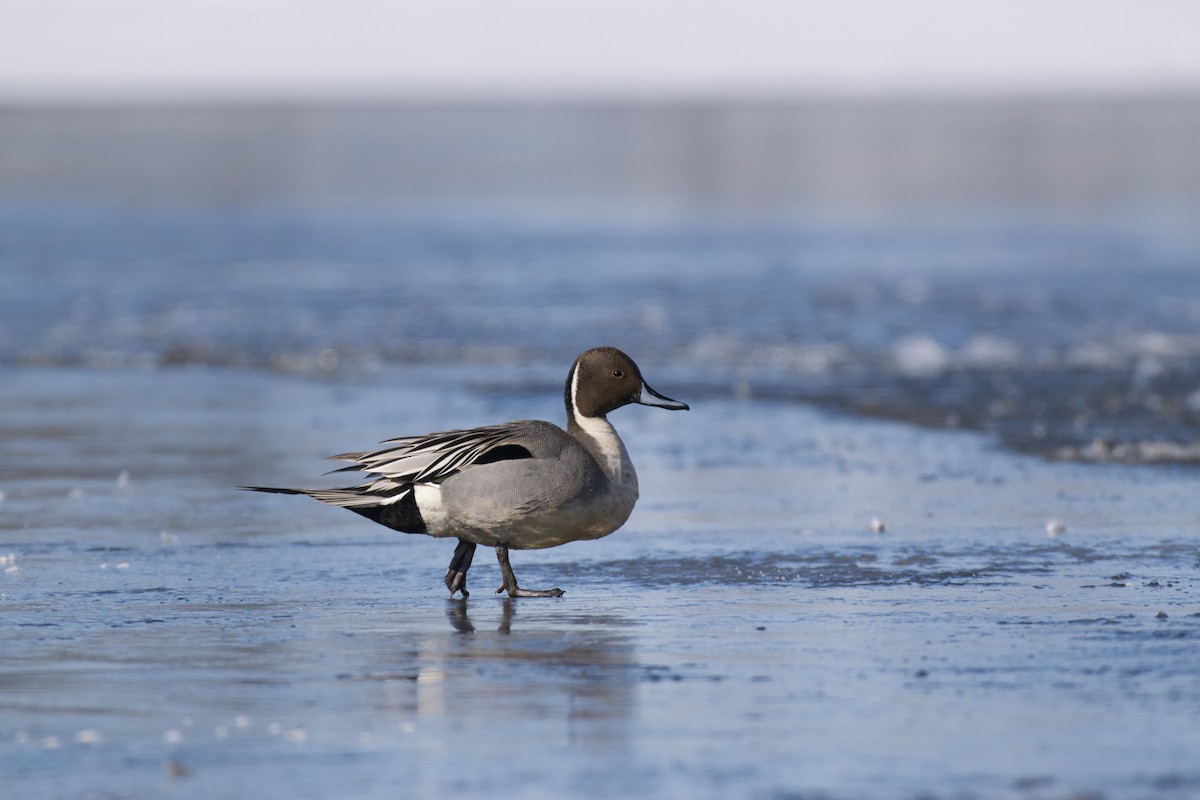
575	392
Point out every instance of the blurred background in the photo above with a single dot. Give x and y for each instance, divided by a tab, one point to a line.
239	235
979	215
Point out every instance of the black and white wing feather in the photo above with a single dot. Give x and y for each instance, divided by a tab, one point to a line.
436	456
411	460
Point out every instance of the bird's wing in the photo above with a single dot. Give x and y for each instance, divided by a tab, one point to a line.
436	456
431	458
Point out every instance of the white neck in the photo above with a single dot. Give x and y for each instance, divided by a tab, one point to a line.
611	456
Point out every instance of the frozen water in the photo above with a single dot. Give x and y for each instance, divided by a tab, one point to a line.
746	633
195	299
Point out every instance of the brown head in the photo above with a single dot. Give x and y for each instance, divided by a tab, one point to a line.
604	379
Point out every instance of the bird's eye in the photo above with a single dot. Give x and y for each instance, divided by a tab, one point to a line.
618	374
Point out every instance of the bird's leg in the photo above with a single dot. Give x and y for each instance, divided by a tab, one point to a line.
456	573
510	580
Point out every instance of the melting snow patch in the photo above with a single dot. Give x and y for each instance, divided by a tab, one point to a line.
89	736
920	355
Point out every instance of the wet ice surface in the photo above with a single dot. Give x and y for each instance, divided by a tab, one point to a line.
746	634
1077	343
193	299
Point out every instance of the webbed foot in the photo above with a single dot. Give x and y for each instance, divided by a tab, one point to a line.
510	580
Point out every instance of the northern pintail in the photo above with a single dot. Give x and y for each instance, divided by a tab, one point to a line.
522	485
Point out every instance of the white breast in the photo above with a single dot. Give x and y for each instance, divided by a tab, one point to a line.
613	458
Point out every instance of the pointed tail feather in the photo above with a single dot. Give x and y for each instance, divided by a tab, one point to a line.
398	511
353	497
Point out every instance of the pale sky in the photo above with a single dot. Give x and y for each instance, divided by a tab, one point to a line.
254	49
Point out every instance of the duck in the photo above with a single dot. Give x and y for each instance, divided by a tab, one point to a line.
520	485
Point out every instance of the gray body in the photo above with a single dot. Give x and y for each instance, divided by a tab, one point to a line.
521	485
558	495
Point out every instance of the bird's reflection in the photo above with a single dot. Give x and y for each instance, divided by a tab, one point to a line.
578	668
460	620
